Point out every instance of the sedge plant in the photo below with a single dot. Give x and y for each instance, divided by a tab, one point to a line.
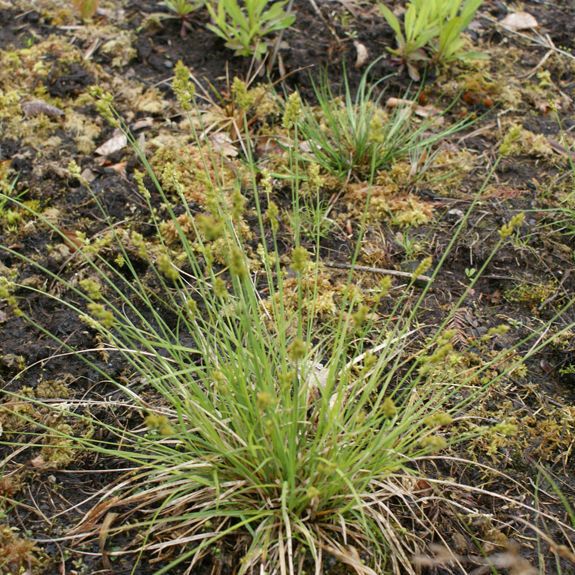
298	438
245	26
352	136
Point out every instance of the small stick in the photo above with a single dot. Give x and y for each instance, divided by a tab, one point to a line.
395	273
330	28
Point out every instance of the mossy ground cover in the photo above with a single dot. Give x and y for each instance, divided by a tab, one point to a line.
514	154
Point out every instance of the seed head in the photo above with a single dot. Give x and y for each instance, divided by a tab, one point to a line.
105	105
210	227
192	308
92	287
433	443
423	266
264	400
103	316
360	316
384	287
313	492
74	169
183	87
299	259
238	204
388	408
292	112
272	215
505	428
242	96
438	419
514	223
167	269
159	423
139	177
236	262
220	288
297	350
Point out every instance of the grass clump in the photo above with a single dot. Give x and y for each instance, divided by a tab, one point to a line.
300	438
354	136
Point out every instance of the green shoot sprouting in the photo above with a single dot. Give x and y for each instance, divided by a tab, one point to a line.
431	32
245	26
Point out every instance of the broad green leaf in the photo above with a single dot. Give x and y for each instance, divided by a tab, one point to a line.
409	22
218	31
422	22
234	10
474	55
392	20
469	10
426	36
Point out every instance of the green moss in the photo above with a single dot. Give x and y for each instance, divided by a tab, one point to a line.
54	388
531	294
519	141
17	554
58	451
167	268
15	415
390	198
182	168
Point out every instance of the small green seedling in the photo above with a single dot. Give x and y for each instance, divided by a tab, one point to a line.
431	32
85	8
182	10
244	27
416	34
454	17
470	272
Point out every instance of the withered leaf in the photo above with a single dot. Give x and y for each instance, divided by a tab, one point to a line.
37	107
519	21
116	143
